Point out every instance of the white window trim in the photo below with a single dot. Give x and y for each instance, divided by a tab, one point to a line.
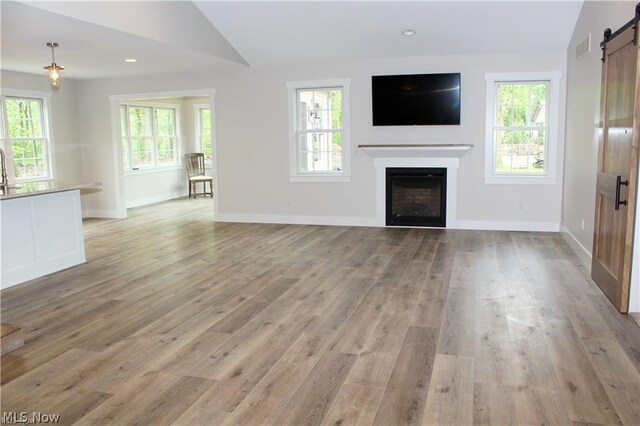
46	117
345	174
156	167
196	116
551	150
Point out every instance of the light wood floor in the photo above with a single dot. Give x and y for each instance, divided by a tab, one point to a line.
176	319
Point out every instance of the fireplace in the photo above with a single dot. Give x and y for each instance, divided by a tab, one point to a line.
416	197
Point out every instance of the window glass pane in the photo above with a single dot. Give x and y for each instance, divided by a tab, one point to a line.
537	104
24	117
520	151
314	141
336	141
28	159
521	94
336	161
141	152
166	150
317	161
320	152
311	116
519	116
205	120
504	94
303	161
206	146
504	116
319	130
205	132
124	132
140	121
123	121
504	151
521	110
125	154
335	113
537	139
320	109
165	121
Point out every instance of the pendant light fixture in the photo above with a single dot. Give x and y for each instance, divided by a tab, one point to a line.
54	69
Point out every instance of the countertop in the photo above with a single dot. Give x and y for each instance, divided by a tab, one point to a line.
29	189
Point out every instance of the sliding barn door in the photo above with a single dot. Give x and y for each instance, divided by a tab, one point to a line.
617	167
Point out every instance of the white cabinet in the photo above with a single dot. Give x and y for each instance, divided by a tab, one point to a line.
41	234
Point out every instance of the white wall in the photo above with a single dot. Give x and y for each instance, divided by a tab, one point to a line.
64	124
251	113
583	115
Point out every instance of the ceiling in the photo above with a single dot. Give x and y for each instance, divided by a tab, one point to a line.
96	37
265	32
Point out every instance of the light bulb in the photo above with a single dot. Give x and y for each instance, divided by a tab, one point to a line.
54	78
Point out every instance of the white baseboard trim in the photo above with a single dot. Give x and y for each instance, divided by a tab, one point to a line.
580	250
156	199
101	214
372	221
490	225
297	220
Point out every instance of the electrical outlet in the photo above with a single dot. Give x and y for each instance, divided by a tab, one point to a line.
251	151
288	201
582	224
520	204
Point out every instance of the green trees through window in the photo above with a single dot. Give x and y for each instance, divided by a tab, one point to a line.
204	131
149	136
25	137
520	129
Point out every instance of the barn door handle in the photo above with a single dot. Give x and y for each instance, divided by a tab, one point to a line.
620	182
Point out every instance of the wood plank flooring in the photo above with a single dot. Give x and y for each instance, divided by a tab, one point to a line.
176	319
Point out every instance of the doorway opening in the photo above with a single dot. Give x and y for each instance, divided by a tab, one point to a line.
152	133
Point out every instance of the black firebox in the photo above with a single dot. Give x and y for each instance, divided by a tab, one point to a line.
417	197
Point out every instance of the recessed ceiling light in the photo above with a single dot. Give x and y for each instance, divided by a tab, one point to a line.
409	32
130	60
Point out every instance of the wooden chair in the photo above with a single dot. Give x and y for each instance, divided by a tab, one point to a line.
196	174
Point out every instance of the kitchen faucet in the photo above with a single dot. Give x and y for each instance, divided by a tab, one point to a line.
4	183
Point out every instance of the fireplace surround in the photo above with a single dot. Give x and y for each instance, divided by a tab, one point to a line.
417	156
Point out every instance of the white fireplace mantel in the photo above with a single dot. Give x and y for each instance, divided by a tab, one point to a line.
416	150
417	155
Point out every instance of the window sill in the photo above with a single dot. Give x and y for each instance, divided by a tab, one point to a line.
519	180
320	178
145	170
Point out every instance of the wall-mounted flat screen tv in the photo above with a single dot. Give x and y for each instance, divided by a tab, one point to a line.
416	99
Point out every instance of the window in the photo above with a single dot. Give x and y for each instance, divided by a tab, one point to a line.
149	136
25	138
319	145
203	130
522	116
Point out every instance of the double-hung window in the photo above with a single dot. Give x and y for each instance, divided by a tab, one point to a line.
149	136
522	120
25	139
203	130
319	131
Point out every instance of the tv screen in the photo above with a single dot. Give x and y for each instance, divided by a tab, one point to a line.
416	99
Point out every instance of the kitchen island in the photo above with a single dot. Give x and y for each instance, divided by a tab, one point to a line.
41	225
